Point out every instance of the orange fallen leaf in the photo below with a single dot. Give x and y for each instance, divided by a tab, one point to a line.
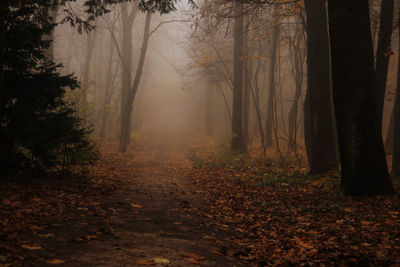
55	261
144	262
90	237
28	247
192	255
191	260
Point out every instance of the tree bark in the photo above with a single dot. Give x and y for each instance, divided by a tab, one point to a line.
363	164
382	58
319	120
90	42
107	92
396	124
237	142
127	22
246	84
271	86
298	60
126	116
2	51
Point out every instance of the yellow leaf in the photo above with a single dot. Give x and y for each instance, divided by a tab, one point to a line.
31	247
136	205
55	261
160	260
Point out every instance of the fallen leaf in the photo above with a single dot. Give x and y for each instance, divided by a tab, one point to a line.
3	258
381	254
91	237
46	235
28	247
216	252
144	262
192	255
55	261
191	260
160	260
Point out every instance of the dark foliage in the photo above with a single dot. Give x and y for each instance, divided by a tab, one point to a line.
39	128
96	8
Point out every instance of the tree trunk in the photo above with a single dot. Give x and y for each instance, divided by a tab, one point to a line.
271	87
127	22
246	91
237	142
389	135
209	97
319	120
363	164
50	50
298	60
2	51
107	92
90	42
126	116
382	58
396	124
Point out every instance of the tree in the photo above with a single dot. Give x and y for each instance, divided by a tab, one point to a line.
271	85
396	118
382	55
128	15
297	55
318	116
363	164
40	128
126	116
237	142
90	44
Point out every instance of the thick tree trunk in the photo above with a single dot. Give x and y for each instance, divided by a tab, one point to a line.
271	86
126	116
319	120
237	142
363	164
382	58
389	135
2	51
396	124
127	22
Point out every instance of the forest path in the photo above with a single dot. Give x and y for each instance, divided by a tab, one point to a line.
149	218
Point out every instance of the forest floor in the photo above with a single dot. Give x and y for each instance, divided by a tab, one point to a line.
194	205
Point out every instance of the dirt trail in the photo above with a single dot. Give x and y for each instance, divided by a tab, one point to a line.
150	214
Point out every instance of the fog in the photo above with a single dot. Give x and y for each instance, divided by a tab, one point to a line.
186	83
